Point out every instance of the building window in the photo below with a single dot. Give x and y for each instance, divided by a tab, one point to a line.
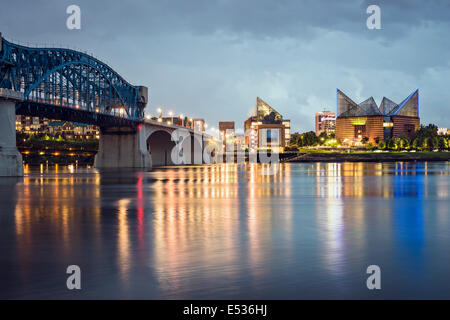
360	130
409	128
272	136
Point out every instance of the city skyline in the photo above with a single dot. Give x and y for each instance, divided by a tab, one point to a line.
224	156
211	65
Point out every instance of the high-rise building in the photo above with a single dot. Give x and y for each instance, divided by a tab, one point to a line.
240	141
198	125
266	128
226	132
325	122
366	120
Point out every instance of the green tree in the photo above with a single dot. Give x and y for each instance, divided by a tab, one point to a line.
429	131
323	137
381	145
295	138
415	144
310	139
443	143
434	142
423	143
403	142
370	146
392	144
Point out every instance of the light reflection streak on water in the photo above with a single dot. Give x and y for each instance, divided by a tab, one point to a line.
329	187
123	245
187	220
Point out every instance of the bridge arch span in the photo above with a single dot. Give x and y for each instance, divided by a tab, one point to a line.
186	149
79	85
68	78
160	146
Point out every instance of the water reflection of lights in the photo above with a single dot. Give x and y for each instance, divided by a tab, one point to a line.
53	200
263	195
196	218
192	204
329	187
193	226
123	239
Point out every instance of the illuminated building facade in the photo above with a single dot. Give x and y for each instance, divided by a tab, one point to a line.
443	131
266	128
226	132
325	122
31	125
240	140
366	120
67	129
73	130
198	125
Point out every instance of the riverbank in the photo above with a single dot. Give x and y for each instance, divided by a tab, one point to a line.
369	157
34	157
58	152
58	157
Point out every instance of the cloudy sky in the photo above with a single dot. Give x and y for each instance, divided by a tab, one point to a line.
212	58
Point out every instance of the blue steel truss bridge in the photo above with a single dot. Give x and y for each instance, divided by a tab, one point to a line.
69	85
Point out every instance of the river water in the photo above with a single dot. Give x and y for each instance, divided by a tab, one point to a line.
228	232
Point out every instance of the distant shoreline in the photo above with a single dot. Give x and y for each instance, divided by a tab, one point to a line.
370	157
87	157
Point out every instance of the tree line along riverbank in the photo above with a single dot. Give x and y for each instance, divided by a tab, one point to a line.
368	156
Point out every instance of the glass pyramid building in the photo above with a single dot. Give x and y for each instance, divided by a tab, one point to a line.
267	125
265	113
356	122
346	107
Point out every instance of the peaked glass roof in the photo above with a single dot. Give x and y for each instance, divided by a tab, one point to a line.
266	113
348	108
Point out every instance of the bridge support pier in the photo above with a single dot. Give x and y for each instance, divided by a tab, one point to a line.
10	158
122	148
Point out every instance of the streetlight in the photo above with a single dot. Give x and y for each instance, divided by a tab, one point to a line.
160	112
171	115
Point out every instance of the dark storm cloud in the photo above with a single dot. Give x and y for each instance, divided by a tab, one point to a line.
255	18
